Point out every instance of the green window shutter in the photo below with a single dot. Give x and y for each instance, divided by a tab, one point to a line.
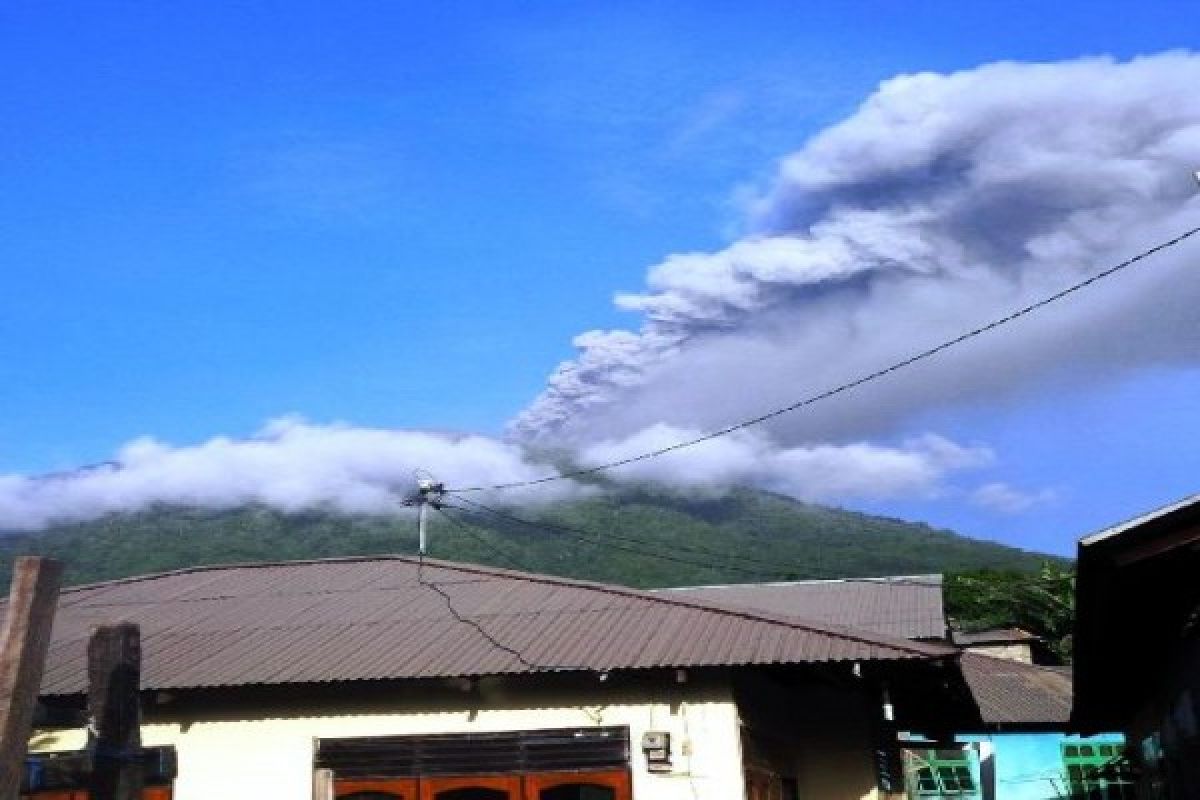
1097	771
937	774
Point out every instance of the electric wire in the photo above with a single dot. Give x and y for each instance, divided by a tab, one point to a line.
623	544
773	567
524	660
517	654
847	386
643	547
510	560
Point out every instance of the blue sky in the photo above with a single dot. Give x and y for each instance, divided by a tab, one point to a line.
399	215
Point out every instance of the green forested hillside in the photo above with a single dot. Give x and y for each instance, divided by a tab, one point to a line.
740	536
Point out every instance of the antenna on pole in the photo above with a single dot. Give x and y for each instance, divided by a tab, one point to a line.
429	493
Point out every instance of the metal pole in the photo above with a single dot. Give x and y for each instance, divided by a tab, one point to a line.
421	511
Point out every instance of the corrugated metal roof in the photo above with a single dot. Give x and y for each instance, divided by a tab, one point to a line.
1015	693
372	619
907	606
993	636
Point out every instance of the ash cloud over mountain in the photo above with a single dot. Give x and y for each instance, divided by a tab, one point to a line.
944	201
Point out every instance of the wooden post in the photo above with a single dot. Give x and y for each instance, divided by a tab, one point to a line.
32	601
114	712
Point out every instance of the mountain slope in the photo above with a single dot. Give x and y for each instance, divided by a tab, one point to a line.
743	535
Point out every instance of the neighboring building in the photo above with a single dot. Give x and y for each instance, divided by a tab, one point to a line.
1021	750
1137	646
446	681
1017	745
908	606
1010	643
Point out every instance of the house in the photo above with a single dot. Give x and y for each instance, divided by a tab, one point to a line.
1016	745
1014	644
908	606
393	677
1136	643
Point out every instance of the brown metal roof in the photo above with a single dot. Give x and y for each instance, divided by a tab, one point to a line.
1015	693
993	636
904	606
372	619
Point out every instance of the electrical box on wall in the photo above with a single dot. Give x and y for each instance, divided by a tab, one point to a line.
657	747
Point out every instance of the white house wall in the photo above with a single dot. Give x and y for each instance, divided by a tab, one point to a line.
250	754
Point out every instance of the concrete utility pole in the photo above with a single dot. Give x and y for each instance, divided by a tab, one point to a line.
32	601
429	493
114	712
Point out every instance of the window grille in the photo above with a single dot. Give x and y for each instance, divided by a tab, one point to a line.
1097	771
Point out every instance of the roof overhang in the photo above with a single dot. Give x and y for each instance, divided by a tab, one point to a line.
1135	589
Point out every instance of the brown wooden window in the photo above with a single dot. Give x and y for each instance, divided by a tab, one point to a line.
607	785
548	764
385	789
149	793
592	785
473	787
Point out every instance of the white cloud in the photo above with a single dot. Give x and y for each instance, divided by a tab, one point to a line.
294	465
918	467
289	465
944	201
1006	499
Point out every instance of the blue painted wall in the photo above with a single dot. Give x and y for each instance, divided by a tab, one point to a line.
1029	766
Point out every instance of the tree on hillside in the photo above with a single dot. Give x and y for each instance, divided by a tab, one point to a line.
1042	603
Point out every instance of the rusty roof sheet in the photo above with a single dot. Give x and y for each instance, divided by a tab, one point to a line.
1015	693
908	606
379	618
993	636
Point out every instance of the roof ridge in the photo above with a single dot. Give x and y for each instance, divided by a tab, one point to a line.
923	579
970	655
149	576
836	631
843	632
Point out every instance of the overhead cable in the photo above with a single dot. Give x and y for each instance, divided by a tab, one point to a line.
844	387
508	559
524	660
644	547
625	544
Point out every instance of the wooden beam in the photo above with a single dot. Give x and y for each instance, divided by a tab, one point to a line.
114	711
32	601
1160	544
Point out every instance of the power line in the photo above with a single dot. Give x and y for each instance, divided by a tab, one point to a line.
515	653
465	620
598	537
623	543
772	567
509	559
638	546
849	385
687	548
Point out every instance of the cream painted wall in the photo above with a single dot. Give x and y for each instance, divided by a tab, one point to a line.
1012	652
269	754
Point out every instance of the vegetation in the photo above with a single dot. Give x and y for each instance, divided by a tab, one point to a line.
738	536
1042	603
